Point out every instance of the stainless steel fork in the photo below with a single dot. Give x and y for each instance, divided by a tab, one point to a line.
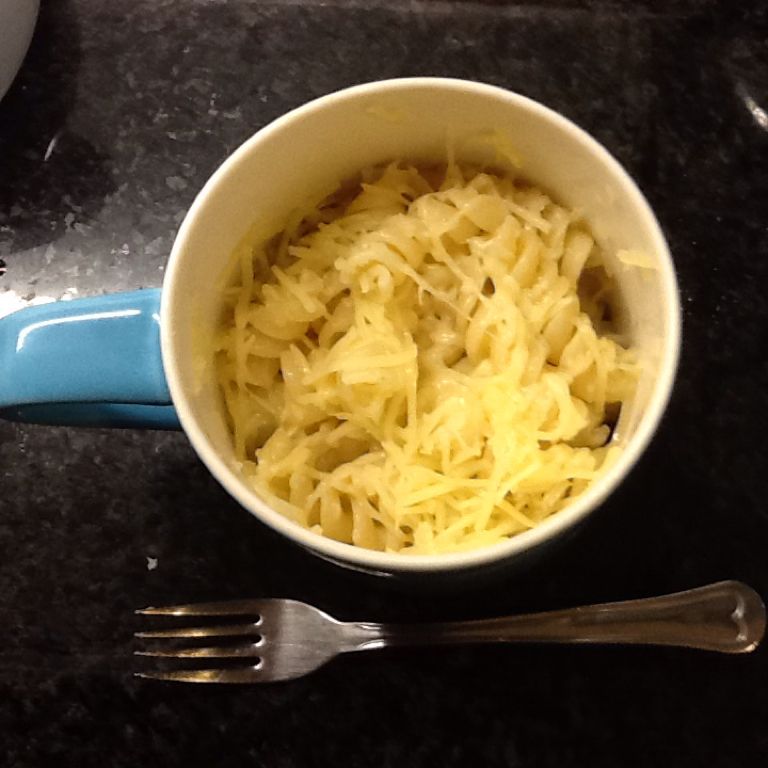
285	639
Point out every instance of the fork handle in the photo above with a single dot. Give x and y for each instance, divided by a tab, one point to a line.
727	616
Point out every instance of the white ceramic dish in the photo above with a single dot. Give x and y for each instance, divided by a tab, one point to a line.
330	139
17	22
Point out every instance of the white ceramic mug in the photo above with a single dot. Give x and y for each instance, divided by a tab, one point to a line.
17	22
327	140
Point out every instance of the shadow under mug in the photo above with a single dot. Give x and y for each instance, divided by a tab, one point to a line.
142	359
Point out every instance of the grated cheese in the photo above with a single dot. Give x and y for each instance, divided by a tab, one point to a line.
411	366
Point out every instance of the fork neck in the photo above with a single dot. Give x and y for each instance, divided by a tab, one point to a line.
369	636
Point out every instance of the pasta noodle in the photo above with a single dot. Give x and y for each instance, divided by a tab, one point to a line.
418	364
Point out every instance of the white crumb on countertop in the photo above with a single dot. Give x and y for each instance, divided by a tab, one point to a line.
151	563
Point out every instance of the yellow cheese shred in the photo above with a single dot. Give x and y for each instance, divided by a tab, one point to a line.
413	365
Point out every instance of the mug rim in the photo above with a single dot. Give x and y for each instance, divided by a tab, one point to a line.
386	563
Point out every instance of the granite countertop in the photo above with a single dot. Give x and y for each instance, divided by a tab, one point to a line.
121	112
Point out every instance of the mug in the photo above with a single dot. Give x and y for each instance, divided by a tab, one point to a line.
143	359
17	23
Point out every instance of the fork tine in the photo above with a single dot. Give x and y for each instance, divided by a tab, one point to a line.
210	652
225	630
250	674
222	608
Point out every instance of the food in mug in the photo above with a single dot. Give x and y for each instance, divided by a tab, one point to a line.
423	363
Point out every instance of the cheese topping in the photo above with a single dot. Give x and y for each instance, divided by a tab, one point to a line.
415	366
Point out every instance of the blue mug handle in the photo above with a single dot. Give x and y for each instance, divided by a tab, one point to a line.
87	362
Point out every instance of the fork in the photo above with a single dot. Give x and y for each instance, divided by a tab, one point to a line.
286	639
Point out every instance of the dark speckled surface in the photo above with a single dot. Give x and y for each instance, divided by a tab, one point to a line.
120	114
